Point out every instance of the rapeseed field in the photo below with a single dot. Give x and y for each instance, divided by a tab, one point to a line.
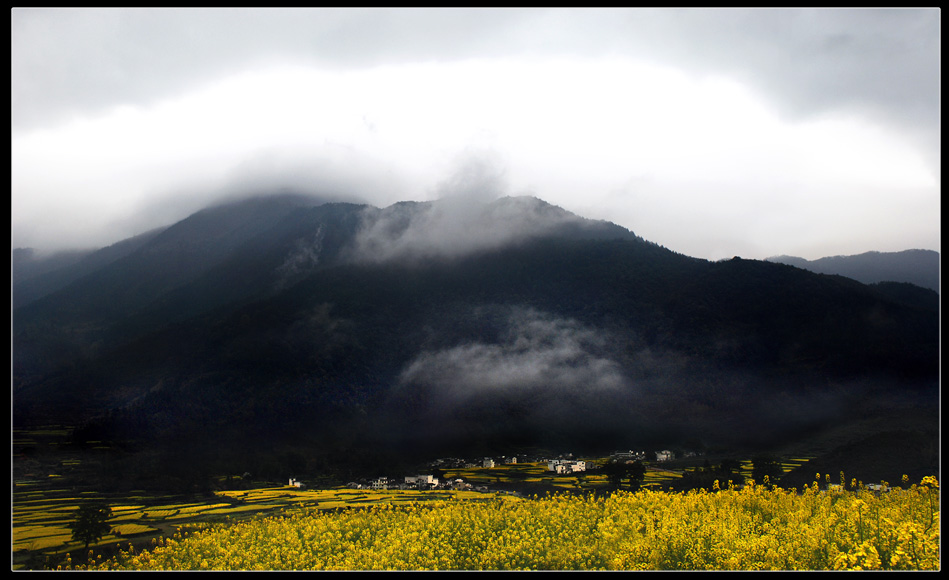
758	527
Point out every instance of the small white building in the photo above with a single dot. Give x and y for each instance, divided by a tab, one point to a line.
422	480
566	466
296	484
487	462
380	483
665	455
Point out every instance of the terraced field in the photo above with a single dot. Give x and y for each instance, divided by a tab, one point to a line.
40	517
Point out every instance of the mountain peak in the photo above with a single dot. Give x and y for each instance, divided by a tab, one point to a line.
451	227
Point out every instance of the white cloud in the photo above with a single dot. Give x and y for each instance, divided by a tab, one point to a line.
692	128
537	351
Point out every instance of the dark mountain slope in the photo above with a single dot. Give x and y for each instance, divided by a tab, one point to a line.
344	339
38	278
909	295
73	322
419	329
26	263
919	267
255	247
770	315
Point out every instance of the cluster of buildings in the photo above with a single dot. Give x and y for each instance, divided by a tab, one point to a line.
484	462
424	482
631	456
627	456
665	455
429	481
566	466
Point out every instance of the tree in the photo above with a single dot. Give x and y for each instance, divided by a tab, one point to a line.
90	523
633	473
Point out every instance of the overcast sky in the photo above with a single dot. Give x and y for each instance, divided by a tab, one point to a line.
714	133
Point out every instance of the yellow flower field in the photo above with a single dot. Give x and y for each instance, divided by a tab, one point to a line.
749	529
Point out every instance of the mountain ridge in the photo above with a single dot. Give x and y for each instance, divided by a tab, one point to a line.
552	328
915	266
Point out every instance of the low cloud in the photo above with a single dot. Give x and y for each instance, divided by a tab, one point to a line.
447	229
535	351
470	215
530	378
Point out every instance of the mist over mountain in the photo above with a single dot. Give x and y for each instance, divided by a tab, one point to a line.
919	267
33	277
451	327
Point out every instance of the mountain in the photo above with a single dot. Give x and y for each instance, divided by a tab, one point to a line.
34	277
26	264
919	267
354	333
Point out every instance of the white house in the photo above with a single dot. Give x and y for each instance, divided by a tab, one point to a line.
422	480
566	466
297	484
665	455
381	483
488	462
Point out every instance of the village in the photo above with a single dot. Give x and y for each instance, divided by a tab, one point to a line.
434	479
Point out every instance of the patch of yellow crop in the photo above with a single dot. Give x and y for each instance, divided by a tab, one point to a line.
65	508
40	536
123	508
468	495
126	517
332	505
159	513
132	529
43	542
193	509
232	510
27	532
653	475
